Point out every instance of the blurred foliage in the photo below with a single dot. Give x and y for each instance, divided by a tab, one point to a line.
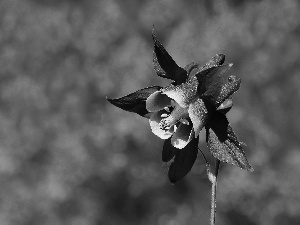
69	157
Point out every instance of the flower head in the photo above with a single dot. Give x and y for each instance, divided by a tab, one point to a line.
198	97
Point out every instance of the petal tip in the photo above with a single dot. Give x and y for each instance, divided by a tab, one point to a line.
172	179
111	100
154	36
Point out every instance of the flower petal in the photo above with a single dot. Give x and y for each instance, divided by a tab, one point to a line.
183	161
135	102
157	101
168	151
198	114
184	93
223	143
154	120
183	135
164	65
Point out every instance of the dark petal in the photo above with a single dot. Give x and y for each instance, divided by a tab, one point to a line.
198	114
219	123
169	151
164	65
135	102
183	161
211	81
223	143
228	89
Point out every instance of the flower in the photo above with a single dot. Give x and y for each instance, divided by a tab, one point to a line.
181	111
198	97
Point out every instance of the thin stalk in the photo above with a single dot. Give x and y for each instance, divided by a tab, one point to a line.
213	180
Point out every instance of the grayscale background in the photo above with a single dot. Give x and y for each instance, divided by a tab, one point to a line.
67	156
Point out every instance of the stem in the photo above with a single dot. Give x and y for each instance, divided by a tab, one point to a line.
213	179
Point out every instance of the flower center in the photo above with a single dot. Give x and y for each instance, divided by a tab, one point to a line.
178	114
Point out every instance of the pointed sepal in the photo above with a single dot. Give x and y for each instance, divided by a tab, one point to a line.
223	143
164	65
135	102
212	86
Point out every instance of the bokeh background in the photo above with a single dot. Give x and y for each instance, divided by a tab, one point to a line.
69	157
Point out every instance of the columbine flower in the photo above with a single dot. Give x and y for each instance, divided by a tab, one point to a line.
198	97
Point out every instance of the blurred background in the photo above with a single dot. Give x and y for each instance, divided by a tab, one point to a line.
69	157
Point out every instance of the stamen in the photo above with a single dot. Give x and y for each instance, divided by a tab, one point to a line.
165	124
175	128
178	114
167	109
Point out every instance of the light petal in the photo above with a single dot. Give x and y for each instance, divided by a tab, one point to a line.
225	106
154	120
184	93
183	135
157	101
198	114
